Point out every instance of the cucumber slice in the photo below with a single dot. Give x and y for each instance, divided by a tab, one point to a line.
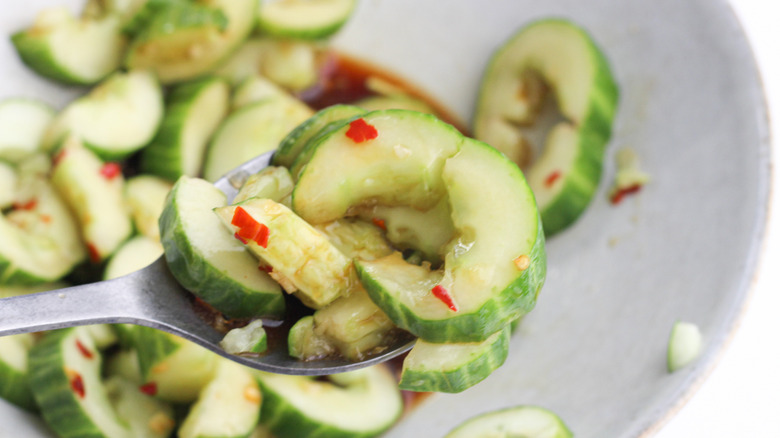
293	64
306	344
360	403
70	50
586	94
313	268
251	131
292	145
14	371
310	19
685	345
41	243
94	191
245	62
145	197
395	101
256	89
248	339
187	40
145	416
118	117
8	185
22	125
193	113
229	406
482	270
520	421
453	367
401	166
136	253
272	183
210	262
65	379
172	369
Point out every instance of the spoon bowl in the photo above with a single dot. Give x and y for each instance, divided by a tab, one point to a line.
152	297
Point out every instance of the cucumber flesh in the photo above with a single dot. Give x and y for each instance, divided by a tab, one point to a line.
145	197
353	404
314	269
520	421
227	407
248	339
71	50
193	112
95	195
256	89
22	125
293	64
209	261
136	253
453	367
685	345
178	46
117	118
306	344
310	19
145	415
272	183
251	131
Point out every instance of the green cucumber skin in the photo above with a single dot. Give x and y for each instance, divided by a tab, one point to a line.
516	300
51	387
16	387
310	147
35	53
286	421
462	378
298	138
162	157
269	28
196	275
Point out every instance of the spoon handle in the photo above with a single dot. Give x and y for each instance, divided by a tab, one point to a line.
130	299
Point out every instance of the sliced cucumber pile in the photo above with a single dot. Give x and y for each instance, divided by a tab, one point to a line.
520	421
567	174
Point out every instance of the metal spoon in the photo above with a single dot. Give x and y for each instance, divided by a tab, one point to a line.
151	297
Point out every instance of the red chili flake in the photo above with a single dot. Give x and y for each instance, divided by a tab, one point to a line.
29	205
360	131
441	293
244	241
618	196
110	170
551	178
266	268
58	157
379	223
45	218
77	385
94	254
149	388
84	350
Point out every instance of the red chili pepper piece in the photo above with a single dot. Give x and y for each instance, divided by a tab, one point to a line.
45	218
94	254
29	205
84	350
241	218
551	178
618	196
244	241
266	268
149	388
360	131
441	293
77	385
58	157
110	170
379	223
261	238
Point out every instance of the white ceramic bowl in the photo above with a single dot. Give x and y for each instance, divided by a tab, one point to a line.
684	248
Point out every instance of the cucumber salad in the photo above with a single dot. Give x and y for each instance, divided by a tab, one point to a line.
379	217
